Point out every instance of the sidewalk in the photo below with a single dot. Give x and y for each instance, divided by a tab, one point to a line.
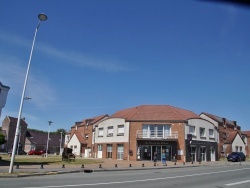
106	165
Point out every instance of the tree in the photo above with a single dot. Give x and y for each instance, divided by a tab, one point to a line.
2	138
58	131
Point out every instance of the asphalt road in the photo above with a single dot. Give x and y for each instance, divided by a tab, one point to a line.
191	177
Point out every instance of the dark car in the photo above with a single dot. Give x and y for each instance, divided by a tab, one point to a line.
37	152
18	152
236	156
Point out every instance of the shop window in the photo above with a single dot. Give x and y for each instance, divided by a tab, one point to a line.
120	149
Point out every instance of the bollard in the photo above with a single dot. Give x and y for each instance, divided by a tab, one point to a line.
130	165
63	166
154	164
41	166
200	162
116	165
82	165
175	163
192	162
17	166
100	166
184	163
142	164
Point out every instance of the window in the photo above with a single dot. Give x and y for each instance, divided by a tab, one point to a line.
120	151
75	148
109	151
110	131
211	133
100	132
224	135
236	148
192	130
202	132
120	131
241	148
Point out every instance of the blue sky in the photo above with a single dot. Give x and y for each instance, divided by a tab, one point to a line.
94	57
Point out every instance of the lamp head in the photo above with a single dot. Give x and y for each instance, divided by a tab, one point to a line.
42	17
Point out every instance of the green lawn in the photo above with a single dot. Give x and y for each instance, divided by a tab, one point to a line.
33	159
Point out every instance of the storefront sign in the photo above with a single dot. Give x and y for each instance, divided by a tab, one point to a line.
196	142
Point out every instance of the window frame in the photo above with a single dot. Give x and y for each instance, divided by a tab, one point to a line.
119	127
100	130
204	132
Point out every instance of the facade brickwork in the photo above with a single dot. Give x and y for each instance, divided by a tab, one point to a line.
9	125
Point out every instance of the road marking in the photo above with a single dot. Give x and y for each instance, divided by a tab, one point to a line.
143	180
237	183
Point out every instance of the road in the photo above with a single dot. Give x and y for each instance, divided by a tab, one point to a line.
189	177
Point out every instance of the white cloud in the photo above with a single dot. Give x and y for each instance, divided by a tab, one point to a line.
76	58
13	74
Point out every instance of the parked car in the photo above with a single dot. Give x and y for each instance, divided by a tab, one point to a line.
18	152
236	156
37	152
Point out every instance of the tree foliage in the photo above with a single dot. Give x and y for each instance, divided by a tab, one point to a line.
2	138
58	131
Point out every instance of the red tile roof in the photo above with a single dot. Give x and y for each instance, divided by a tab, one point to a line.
155	113
246	133
91	121
230	137
219	119
80	138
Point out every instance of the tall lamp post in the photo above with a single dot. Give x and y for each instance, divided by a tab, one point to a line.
50	122
42	17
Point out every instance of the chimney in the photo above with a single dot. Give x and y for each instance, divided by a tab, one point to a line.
224	122
235	125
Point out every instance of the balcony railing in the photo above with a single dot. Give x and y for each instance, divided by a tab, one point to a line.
157	134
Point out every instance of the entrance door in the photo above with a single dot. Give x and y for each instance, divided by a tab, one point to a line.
146	153
157	150
203	153
212	153
193	153
99	154
168	152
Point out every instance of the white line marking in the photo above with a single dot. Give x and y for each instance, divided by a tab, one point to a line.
237	183
144	180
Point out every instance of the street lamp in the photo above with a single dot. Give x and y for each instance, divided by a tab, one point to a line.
50	122
42	17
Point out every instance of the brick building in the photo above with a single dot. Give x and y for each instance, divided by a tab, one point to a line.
246	138
230	137
81	138
9	126
140	132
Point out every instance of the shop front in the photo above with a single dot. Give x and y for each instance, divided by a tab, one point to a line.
198	151
146	150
